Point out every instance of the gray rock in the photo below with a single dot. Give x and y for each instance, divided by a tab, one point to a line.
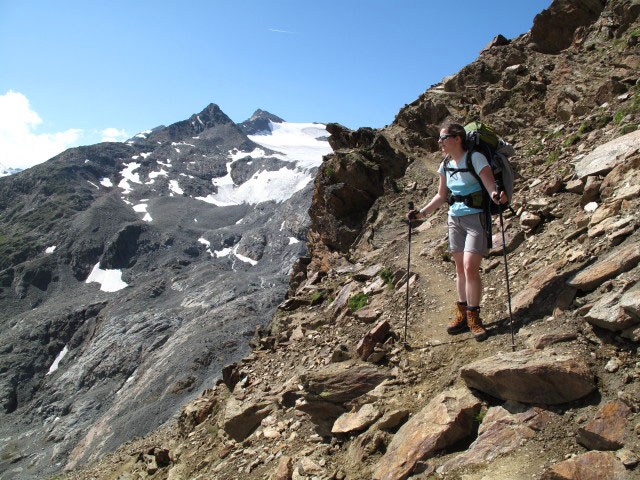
605	157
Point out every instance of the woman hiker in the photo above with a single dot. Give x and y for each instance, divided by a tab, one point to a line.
467	239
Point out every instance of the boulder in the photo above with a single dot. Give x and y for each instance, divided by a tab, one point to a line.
377	335
366	444
591	190
608	313
369	313
284	470
620	260
531	377
630	301
530	220
542	341
356	421
392	419
538	283
341	299
513	239
447	419
241	419
632	333
327	390
606	430
367	273
588	466
499	434
194	414
604	158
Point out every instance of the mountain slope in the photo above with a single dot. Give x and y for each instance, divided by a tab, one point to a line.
131	272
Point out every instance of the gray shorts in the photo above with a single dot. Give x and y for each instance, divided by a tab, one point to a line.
467	234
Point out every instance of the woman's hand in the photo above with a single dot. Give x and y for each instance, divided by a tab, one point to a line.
414	215
502	198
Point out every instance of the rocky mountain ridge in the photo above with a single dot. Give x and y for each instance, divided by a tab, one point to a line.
330	391
130	273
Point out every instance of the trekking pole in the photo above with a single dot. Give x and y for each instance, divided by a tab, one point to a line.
406	310
506	272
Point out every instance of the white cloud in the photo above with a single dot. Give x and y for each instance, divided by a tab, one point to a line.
113	135
275	30
20	147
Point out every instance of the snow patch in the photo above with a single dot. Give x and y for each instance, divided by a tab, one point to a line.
297	142
161	173
175	188
145	154
243	258
106	182
50	249
97	187
223	253
293	240
129	176
109	280
56	362
264	186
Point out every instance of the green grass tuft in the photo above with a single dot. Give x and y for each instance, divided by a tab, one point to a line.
357	301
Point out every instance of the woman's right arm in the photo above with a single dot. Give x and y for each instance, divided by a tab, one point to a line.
439	198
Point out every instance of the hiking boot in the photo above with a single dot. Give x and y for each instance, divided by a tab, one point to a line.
475	325
459	323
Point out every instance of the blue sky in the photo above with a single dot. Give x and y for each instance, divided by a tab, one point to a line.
75	72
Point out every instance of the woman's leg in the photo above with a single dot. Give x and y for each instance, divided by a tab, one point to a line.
474	294
459	322
473	281
461	281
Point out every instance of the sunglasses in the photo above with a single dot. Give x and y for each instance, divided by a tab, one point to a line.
442	138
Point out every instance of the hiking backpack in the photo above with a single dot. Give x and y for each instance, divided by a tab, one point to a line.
482	138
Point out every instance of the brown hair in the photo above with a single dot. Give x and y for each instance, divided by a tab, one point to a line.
457	130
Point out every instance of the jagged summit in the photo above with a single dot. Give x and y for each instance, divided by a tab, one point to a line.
259	122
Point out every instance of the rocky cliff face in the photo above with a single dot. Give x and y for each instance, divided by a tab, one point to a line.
330	392
132	272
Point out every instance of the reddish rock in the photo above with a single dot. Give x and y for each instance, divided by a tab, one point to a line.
241	419
194	414
540	281
542	341
356	421
366	445
513	239
447	419
499	435
530	376
588	466
284	471
618	261
378	334
606	430
392	419
369	313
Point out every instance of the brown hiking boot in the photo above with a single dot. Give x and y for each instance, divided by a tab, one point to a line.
475	325
459	323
